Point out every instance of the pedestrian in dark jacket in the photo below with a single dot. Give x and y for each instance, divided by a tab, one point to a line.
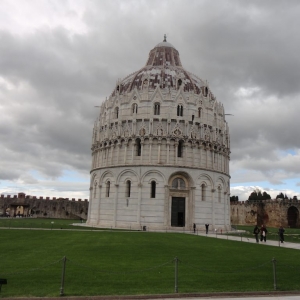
263	233
281	232
206	228
256	232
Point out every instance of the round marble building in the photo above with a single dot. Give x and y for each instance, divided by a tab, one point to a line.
160	151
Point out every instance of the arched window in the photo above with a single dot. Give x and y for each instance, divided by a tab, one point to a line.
157	109
105	145
138	147
180	149
199	112
153	189
134	108
178	183
203	192
179	83
128	188
107	188
142	131
95	189
219	193
205	91
117	112
145	83
179	110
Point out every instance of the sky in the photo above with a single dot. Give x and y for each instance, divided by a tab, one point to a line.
61	58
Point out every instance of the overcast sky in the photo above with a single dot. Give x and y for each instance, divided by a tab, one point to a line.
60	58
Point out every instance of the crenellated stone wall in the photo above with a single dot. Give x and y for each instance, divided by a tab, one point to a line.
40	207
273	213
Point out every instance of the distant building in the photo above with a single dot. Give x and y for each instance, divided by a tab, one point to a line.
160	151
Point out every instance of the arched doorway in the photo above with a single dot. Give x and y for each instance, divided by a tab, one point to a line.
293	216
180	204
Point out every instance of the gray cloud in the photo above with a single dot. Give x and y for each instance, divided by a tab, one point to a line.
58	60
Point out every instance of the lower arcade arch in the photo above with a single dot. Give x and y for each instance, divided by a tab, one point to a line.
179	200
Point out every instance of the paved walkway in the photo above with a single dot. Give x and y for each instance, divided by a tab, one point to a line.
251	240
278	297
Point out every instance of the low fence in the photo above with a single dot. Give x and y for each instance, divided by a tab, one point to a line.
70	274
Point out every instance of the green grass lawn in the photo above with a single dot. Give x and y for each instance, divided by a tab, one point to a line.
41	223
127	263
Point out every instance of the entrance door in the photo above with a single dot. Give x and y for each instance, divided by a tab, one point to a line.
293	215
178	212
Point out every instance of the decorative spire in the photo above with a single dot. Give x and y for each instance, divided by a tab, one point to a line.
165	37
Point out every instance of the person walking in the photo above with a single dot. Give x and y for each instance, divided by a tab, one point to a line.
256	232
263	233
206	228
194	227
281	232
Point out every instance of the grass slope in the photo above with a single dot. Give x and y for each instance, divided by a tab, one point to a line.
124	263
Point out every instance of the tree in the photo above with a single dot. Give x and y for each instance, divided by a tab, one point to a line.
266	196
234	198
253	196
257	195
280	196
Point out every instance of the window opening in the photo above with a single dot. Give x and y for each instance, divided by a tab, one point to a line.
180	149
205	92
179	110
157	109
95	189
153	189
178	183
179	83
138	147
128	188
203	192
134	108
107	188
199	112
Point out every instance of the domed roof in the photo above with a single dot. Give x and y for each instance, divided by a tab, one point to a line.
164	44
163	69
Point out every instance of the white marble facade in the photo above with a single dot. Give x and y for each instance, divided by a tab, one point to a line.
160	151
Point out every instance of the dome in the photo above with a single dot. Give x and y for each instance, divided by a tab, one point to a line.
165	44
163	69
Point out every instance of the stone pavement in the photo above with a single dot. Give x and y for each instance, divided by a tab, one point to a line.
275	297
250	240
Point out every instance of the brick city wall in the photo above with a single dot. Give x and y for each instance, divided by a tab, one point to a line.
60	208
273	213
